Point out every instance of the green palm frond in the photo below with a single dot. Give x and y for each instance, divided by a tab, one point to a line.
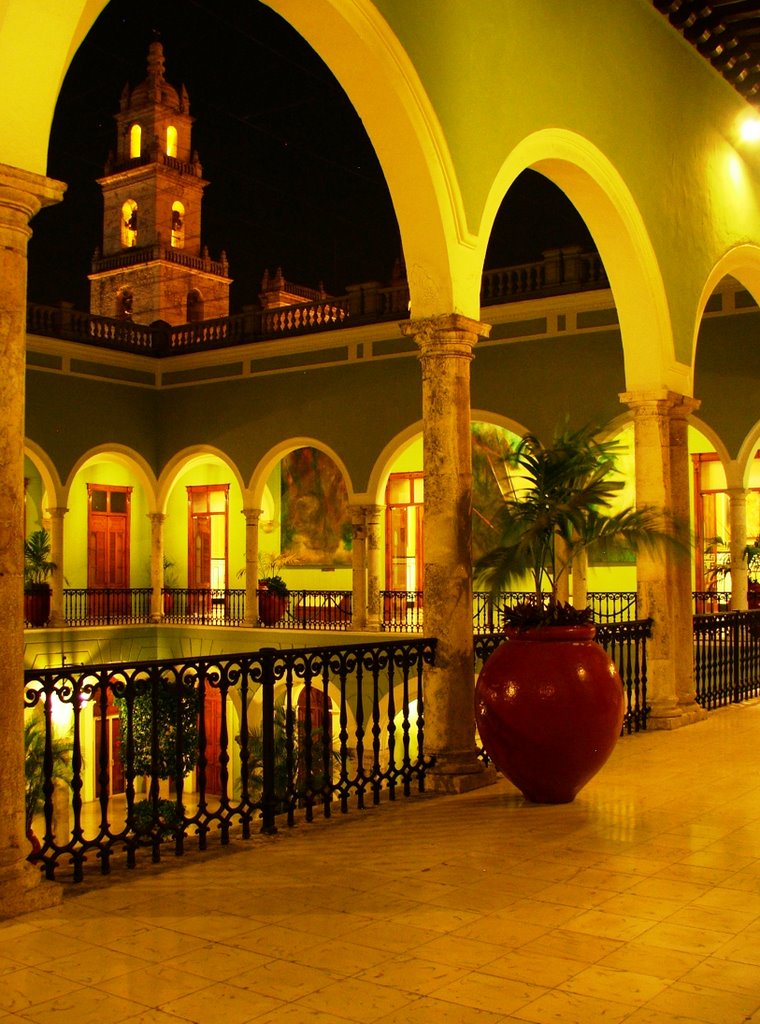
566	491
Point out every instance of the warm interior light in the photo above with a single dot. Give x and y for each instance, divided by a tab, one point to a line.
750	129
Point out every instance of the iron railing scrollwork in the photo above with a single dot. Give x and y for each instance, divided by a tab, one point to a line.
267	735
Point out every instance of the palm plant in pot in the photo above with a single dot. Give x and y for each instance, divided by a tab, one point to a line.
37	568
549	702
272	590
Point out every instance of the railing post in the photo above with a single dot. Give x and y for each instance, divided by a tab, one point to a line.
736	627
268	795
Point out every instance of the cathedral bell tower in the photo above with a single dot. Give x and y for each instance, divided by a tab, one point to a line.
151	266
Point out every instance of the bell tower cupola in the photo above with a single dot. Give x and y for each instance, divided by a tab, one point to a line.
152	266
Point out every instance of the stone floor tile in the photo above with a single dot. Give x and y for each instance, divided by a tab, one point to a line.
220	1004
727	975
82	1006
687	939
607	924
217	962
560	1007
710	1005
667	964
490	992
546	971
284	980
604	983
154	985
357	1000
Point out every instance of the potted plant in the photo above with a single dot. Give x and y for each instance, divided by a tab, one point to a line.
170	585
549	702
34	769
272	589
37	569
751	555
156	815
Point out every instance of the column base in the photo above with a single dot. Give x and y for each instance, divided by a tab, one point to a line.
675	717
459	772
22	889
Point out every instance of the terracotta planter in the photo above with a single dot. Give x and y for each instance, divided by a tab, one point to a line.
272	606
549	709
37	604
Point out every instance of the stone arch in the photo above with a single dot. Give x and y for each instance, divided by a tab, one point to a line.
266	464
605	202
124	456
194	306
185	460
51	482
747	453
382	83
741	262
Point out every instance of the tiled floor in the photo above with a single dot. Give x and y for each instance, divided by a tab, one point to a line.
640	902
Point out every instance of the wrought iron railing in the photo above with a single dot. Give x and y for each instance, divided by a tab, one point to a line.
306	609
201	606
402	611
726	657
248	740
111	607
706	602
607	606
626	644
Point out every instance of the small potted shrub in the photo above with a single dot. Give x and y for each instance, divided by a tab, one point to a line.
170	585
37	569
272	589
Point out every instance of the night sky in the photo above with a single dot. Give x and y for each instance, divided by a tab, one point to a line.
294	181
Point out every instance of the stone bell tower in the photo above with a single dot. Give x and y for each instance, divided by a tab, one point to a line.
152	266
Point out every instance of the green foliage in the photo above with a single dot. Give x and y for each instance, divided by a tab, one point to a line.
562	498
166	718
269	564
283	719
37	564
169	817
34	763
751	555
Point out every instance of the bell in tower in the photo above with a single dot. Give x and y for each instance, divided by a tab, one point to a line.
151	266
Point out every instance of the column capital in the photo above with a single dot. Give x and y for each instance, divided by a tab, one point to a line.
252	515
155	517
23	194
450	334
660	400
56	513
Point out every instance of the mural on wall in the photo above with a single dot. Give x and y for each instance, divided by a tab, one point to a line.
316	522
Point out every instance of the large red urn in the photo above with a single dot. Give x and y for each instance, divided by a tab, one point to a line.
549	709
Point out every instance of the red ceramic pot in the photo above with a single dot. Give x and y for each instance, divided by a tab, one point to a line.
549	709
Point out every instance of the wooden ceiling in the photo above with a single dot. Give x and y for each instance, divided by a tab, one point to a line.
725	32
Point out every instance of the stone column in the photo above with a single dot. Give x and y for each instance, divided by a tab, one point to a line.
664	577
252	516
22	194
55	516
373	518
359	567
446	350
737	514
580	580
157	520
